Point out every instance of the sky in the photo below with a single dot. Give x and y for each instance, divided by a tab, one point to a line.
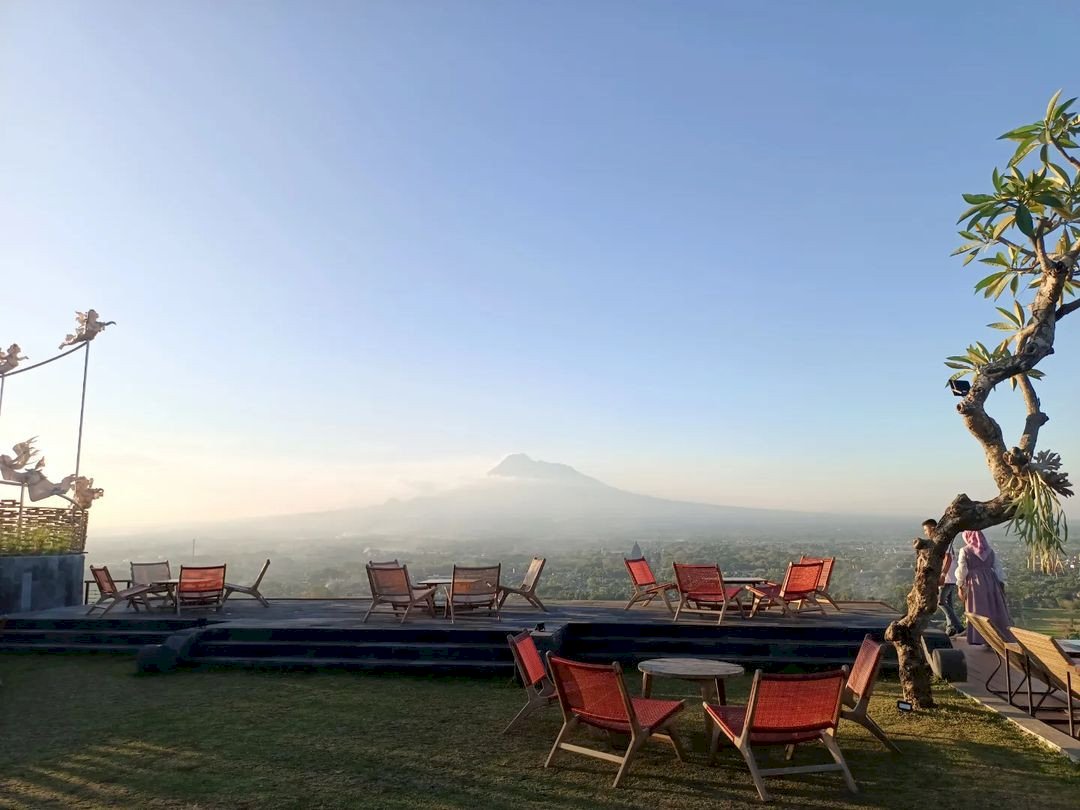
365	250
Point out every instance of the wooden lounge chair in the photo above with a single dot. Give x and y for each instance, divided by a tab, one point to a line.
595	695
827	564
200	586
1009	654
530	666
392	586
249	590
148	574
702	590
528	585
784	710
860	687
1051	663
109	595
646	588
799	586
474	588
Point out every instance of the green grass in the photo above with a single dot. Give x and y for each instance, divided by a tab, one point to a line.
1052	621
86	732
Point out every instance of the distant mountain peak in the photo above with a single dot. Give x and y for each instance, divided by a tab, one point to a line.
519	465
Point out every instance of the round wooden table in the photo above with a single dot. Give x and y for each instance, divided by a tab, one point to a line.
709	675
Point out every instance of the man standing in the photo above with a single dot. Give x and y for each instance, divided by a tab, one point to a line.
947	584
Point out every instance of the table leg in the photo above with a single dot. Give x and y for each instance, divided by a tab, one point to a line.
721	694
646	685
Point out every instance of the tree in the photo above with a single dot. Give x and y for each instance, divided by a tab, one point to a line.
1027	230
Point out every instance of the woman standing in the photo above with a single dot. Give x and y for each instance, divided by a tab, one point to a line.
982	585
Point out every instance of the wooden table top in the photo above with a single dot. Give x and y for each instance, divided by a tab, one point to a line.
690	668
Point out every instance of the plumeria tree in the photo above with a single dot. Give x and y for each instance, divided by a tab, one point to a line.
1026	229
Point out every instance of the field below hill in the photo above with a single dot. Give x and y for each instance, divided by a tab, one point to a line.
86	732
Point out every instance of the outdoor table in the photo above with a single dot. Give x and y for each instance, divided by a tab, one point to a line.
744	580
168	586
709	675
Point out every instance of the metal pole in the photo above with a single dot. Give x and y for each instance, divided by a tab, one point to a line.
3	380
82	406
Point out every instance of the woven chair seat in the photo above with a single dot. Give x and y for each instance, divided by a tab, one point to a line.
731	719
729	592
651	713
402	599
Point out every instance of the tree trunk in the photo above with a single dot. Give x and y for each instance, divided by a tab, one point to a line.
906	633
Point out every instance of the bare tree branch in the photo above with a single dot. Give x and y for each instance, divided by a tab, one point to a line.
1065	309
1035	417
1064	154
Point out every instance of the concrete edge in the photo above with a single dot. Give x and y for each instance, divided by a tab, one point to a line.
1046	734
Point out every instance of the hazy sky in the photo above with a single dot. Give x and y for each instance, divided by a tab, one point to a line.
355	250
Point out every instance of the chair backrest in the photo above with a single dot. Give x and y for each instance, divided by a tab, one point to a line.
532	576
700	578
201	581
864	671
103	579
827	564
988	630
785	704
147	573
801	578
590	691
389	580
1048	656
529	663
640	572
262	573
388	564
476	581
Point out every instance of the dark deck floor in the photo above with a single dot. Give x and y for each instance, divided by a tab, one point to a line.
350	613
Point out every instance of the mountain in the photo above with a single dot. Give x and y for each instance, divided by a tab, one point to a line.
523	500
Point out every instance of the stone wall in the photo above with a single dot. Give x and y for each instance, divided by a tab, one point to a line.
40	582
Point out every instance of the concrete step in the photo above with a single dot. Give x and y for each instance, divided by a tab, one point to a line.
387	650
368	664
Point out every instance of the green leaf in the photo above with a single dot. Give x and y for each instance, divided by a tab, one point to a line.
957	365
1051	105
1023	220
977	199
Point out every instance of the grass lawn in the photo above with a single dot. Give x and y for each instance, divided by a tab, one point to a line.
86	732
1052	621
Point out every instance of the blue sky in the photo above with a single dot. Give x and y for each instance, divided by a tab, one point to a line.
359	250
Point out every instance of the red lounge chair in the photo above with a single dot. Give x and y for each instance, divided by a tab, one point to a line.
110	596
799	585
702	586
827	564
390	585
201	586
784	710
646	588
528	585
595	695
860	686
530	666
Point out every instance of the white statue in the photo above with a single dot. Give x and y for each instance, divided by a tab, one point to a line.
85	493
87	327
10	359
37	485
11	467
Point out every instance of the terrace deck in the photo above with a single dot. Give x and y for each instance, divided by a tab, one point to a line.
329	633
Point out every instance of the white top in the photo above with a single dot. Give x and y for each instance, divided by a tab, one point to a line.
950	572
962	566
